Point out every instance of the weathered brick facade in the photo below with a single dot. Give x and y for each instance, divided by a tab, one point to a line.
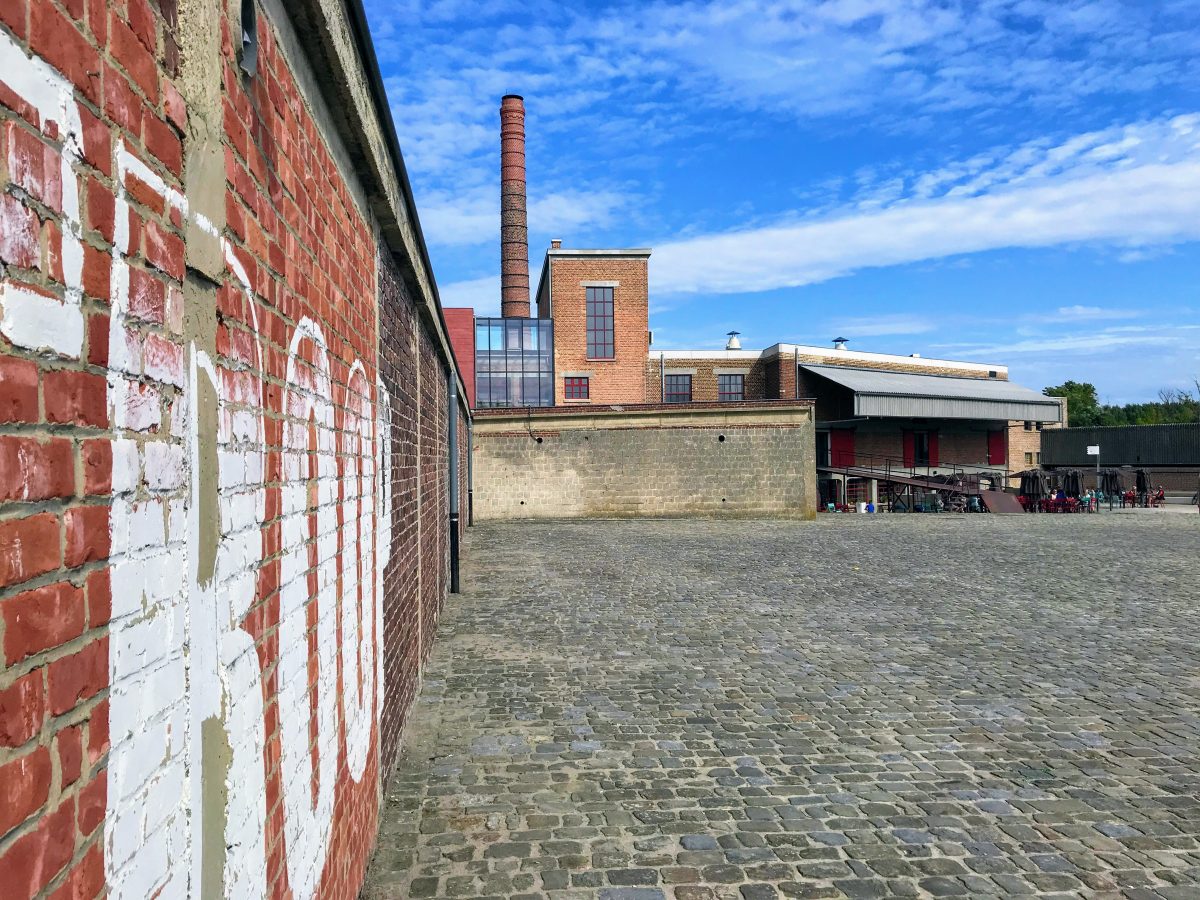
563	291
704	371
224	402
1025	443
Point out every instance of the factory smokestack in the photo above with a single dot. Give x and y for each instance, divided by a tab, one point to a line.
514	230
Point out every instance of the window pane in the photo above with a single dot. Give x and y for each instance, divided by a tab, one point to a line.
677	389
599	324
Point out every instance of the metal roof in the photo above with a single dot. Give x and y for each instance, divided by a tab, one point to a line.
879	392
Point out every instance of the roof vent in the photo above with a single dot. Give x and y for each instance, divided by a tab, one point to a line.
733	343
914	355
839	343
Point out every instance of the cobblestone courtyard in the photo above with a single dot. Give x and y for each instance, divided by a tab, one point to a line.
863	707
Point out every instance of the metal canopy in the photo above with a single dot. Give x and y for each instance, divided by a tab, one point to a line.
908	395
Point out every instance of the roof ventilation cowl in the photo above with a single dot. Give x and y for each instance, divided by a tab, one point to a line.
839	343
733	343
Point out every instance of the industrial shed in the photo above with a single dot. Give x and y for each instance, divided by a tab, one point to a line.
1171	453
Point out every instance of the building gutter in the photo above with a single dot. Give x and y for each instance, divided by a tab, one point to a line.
361	34
452	442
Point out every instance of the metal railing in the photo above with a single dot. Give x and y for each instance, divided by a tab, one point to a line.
951	478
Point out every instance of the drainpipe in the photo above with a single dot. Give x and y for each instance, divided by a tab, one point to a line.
470	473
452	406
662	379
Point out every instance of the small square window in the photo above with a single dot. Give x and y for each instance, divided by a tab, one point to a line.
575	388
677	389
731	387
1029	459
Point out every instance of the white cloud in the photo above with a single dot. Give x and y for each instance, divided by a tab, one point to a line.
482	294
472	217
877	326
1081	313
1144	194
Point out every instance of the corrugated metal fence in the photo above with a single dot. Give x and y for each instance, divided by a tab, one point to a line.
1127	445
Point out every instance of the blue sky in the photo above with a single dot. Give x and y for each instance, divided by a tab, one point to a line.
1008	181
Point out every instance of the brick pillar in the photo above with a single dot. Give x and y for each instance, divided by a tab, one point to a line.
514	231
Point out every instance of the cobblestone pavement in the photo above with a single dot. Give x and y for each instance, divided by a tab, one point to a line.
891	706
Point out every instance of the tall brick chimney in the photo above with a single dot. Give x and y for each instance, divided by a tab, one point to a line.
514	230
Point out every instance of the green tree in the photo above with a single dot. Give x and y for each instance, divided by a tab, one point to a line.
1083	406
1174	405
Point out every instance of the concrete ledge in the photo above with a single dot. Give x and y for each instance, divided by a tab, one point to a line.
729	414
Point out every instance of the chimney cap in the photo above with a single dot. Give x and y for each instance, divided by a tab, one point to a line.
839	343
511	97
555	243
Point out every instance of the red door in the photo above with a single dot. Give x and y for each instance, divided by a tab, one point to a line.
997	454
909	445
841	446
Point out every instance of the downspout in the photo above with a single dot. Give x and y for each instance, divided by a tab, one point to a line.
452	406
470	473
662	377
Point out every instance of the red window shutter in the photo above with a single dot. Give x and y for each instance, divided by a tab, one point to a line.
997	451
933	448
841	446
910	455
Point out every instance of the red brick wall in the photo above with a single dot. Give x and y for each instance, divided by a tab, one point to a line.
223	504
460	326
623	378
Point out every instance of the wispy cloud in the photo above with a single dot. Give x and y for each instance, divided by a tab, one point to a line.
1107	339
877	326
483	294
1143	189
1081	313
472	217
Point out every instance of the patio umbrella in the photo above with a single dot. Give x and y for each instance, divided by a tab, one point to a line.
1111	482
1033	484
1143	482
1072	483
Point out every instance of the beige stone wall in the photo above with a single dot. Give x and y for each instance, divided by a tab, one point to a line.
731	460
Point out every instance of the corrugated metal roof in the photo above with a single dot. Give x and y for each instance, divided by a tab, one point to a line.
907	394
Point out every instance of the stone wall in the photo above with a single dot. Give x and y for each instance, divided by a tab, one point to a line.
223	451
730	459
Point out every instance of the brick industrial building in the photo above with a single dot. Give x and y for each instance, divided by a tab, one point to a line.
230	434
587	343
567	426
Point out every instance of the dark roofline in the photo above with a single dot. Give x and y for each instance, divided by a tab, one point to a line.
361	31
